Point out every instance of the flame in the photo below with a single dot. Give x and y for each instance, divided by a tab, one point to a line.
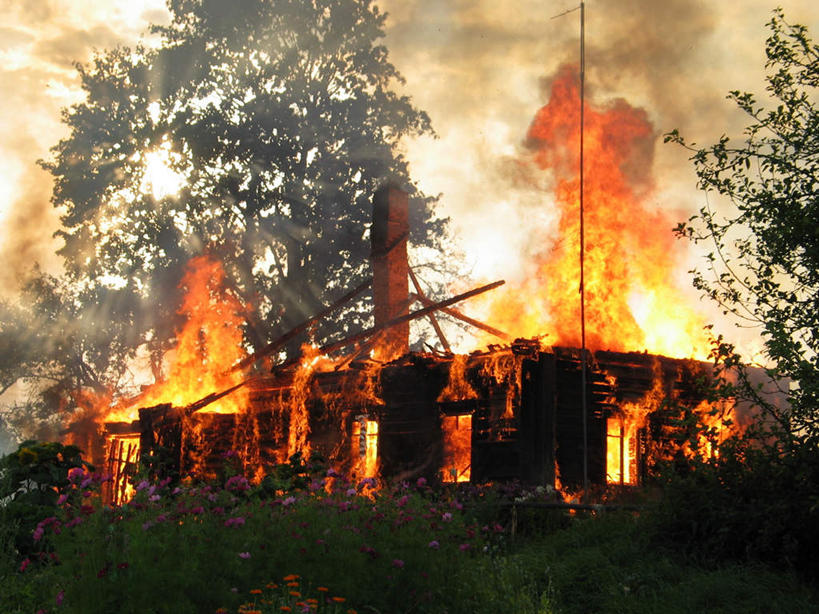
365	447
209	342
718	423
297	440
457	453
122	458
504	368
631	303
622	431
458	388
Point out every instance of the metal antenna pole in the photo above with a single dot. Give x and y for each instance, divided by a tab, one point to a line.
584	401
583	376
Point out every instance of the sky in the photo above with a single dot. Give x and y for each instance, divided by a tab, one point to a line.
480	68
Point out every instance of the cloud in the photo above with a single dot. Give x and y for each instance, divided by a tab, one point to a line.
73	44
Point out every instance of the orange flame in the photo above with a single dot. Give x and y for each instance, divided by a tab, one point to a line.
365	447
210	341
458	388
631	303
457	453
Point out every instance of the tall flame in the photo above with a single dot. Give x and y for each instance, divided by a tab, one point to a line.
207	345
631	303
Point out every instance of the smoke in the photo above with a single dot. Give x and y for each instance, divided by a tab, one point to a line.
482	69
39	43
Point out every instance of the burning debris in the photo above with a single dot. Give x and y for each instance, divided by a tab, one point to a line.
512	411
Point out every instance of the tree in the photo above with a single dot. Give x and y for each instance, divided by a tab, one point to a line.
764	265
257	130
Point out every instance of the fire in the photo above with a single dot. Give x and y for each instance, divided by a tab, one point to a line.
122	458
297	442
458	388
457	434
210	341
717	421
631	303
365	447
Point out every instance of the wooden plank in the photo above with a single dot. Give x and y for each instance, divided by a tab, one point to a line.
332	347
471	321
432	319
279	343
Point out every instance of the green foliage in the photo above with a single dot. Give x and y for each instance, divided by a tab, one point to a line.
747	504
758	498
617	563
276	120
30	482
764	266
206	549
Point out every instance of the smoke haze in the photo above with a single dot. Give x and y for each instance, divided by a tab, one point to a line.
480	68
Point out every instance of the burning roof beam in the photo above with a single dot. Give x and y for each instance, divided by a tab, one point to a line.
279	343
464	318
432	319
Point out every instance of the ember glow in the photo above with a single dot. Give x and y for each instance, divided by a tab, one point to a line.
631	302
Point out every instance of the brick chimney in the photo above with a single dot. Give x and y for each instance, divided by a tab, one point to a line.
389	233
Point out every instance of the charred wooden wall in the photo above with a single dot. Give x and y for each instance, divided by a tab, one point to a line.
526	416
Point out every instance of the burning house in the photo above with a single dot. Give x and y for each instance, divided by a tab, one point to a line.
549	414
511	411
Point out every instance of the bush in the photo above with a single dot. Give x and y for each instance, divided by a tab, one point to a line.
747	503
30	484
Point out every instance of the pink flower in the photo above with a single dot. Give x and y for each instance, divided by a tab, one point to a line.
142	485
464	547
75	474
38	533
397	563
154	498
350	492
403	501
234	522
244	555
421	482
289	501
434	544
24	565
366	483
60	597
62	499
447	517
237	482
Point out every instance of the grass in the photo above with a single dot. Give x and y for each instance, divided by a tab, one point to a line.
336	547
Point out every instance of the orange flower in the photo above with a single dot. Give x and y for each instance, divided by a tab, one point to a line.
271	585
285	608
339	599
291	577
255	591
222	611
292	584
322	589
351	611
312	600
295	593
